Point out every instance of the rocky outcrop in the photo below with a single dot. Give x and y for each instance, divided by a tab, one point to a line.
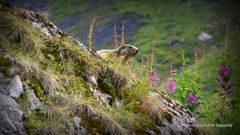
10	88
171	117
10	117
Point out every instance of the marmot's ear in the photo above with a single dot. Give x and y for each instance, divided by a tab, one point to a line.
123	46
123	50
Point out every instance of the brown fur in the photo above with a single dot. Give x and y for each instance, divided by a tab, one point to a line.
124	52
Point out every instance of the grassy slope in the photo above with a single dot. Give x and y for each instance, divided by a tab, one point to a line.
61	86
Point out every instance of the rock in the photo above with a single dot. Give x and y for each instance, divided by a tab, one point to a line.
15	86
91	79
42	28
171	119
118	102
10	117
176	41
204	37
76	122
35	102
79	130
11	86
102	98
10	82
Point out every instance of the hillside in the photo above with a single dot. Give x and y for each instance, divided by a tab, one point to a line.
171	25
50	83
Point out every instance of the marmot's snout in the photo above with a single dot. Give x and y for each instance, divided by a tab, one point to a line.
136	52
132	50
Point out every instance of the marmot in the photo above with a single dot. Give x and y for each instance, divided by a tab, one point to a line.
124	52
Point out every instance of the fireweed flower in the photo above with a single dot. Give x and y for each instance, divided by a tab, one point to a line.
224	79
228	91
225	69
191	98
153	78
171	86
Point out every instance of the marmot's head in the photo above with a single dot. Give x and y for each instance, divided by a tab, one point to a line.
126	50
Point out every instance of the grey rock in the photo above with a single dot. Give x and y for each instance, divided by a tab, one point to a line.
204	37
11	86
15	86
35	102
10	117
79	129
118	102
102	98
76	122
42	28
172	119
91	79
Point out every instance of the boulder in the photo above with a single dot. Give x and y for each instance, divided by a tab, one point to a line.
79	129
10	117
15	87
204	37
10	82
91	79
35	101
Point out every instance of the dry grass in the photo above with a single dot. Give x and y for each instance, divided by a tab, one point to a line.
49	81
90	114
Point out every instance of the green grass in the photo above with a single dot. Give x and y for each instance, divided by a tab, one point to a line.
163	21
219	109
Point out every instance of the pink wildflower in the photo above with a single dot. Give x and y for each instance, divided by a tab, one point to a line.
153	78
171	86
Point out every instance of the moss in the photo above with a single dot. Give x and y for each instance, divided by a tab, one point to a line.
30	123
34	119
38	90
